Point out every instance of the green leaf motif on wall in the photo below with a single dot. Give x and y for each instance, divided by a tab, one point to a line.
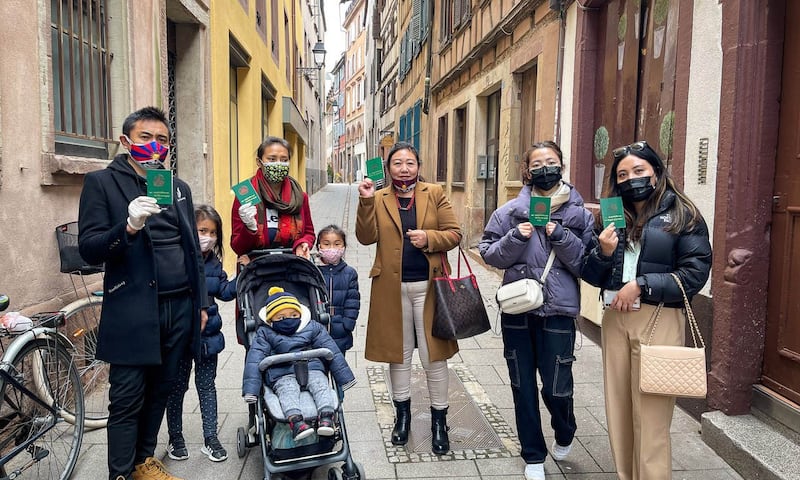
600	143
660	12
622	28
665	133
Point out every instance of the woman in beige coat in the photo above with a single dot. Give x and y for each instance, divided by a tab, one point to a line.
411	222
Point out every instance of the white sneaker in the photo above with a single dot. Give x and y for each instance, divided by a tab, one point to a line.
534	471
558	452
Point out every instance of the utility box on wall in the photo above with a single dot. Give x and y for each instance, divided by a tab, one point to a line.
483	167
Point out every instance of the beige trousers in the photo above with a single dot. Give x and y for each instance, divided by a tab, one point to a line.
413	303
638	424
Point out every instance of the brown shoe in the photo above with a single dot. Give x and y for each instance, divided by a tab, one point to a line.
152	469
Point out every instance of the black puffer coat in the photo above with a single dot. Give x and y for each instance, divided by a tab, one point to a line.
688	254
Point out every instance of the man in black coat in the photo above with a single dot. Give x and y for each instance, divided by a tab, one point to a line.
154	290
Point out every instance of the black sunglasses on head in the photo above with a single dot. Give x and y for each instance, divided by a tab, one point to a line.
624	151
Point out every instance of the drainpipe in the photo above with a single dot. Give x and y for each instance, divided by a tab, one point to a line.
426	99
562	27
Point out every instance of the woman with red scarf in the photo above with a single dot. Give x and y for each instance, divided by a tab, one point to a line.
282	219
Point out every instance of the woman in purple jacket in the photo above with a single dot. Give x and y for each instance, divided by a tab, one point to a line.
542	339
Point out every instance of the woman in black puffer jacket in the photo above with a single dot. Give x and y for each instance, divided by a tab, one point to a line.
665	234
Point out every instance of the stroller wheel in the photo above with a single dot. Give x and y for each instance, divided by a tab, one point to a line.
241	442
335	473
360	469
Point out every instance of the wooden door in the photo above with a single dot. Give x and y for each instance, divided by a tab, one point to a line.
636	87
782	344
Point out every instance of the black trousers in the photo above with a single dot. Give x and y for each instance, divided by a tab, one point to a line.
138	394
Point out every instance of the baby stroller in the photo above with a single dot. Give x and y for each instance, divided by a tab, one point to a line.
268	428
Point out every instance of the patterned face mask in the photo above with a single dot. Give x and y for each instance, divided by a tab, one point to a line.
331	256
148	155
275	172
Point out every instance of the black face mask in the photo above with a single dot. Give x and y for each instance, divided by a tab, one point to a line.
545	178
636	189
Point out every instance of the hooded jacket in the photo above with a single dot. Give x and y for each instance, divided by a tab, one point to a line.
309	335
344	300
526	258
688	254
129	332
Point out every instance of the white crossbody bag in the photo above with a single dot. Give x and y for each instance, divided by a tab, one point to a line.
526	294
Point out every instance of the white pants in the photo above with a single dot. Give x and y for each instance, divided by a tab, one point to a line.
413	303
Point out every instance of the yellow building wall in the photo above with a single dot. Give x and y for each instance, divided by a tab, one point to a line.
228	18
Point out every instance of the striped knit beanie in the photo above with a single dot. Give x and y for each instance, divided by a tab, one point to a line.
278	300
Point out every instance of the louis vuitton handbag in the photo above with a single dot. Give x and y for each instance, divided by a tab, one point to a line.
460	311
672	370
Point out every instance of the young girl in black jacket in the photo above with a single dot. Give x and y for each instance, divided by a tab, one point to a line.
209	231
665	233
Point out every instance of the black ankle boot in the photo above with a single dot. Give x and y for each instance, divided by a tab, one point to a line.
440	441
402	422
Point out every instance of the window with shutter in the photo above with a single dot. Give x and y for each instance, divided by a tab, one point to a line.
417	108
415	26
456	13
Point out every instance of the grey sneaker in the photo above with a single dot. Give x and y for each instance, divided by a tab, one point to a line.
176	449
214	450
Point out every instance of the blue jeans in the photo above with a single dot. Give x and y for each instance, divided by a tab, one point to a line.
545	344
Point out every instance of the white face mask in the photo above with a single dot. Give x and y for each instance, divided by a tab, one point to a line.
207	243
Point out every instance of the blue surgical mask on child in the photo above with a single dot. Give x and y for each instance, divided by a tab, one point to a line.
287	326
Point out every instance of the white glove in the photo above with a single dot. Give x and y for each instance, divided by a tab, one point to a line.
247	213
139	209
250	398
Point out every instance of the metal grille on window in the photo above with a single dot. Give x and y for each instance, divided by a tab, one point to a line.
81	62
172	59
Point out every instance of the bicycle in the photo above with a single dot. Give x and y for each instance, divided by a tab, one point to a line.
41	401
81	324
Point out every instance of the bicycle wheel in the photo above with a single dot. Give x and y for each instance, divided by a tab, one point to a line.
81	322
45	369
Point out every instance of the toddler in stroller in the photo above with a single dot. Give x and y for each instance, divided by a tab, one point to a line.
292	446
288	328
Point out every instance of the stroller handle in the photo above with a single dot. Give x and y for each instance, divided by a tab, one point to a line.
294	356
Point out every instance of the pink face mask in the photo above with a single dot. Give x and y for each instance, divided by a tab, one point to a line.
207	242
331	256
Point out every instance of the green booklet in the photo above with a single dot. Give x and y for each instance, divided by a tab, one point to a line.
612	211
245	192
375	170
159	186
539	214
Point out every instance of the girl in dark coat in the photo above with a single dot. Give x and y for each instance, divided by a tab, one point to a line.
542	339
209	230
342	281
665	234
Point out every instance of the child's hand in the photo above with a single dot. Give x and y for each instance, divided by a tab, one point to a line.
250	398
243	259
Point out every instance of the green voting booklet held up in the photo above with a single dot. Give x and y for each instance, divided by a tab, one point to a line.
159	186
612	211
245	193
375	171
539	213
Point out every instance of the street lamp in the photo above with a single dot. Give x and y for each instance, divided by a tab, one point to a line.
319	60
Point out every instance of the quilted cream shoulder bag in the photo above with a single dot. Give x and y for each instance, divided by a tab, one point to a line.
672	370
